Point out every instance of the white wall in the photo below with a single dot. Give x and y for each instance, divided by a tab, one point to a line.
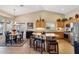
32	17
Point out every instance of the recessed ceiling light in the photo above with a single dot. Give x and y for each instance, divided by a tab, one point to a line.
62	9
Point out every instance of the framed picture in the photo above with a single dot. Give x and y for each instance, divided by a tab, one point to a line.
29	25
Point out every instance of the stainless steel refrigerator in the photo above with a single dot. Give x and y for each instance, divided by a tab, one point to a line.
75	37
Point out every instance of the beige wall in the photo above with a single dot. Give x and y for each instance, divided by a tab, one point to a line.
51	16
32	17
5	14
72	13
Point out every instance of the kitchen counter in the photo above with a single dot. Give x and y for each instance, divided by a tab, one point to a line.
56	32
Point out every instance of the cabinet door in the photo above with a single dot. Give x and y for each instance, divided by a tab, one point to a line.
42	23
37	23
60	34
60	24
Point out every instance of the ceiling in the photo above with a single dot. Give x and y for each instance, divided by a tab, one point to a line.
24	9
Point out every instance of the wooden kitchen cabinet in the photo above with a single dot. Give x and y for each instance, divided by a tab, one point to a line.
43	23
37	23
60	24
40	23
60	35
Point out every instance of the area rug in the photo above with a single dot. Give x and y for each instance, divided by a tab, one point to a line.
2	44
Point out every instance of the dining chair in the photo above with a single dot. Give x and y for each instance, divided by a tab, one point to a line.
14	37
8	40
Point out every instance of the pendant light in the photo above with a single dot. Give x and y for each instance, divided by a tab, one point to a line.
14	22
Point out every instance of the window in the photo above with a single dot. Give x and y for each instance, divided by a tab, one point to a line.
50	26
1	28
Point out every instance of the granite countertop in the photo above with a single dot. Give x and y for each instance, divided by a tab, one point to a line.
53	31
50	30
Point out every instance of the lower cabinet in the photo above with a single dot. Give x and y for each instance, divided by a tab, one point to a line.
60	35
67	37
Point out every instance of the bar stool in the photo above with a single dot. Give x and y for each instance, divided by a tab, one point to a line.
31	42
52	47
39	45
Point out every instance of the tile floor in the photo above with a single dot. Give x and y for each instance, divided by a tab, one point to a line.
64	48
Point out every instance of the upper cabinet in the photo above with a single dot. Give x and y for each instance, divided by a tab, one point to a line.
43	23
40	23
60	23
37	23
72	20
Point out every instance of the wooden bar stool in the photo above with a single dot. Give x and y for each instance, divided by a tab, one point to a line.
52	47
39	45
